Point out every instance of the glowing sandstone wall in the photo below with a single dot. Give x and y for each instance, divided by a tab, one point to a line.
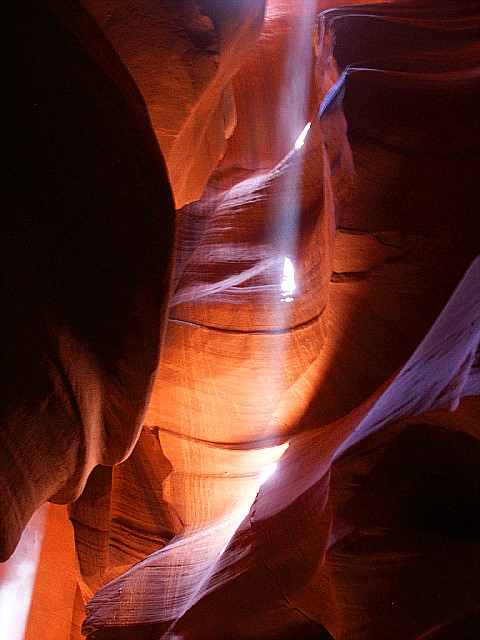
321	372
182	56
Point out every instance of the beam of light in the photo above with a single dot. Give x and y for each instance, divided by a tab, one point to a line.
267	472
301	138
17	579
207	540
293	117
288	285
293	104
270	468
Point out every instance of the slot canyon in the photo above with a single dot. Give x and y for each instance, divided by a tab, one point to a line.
240	320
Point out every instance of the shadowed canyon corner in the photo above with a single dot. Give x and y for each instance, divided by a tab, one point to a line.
240	366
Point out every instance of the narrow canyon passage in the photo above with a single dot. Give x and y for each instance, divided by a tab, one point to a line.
243	319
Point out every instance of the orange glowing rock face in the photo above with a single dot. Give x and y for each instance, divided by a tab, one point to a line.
182	57
247	371
238	340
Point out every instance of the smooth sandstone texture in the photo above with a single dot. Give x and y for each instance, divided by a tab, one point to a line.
182	55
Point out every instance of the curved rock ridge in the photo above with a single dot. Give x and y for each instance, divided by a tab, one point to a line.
182	56
428	78
87	240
